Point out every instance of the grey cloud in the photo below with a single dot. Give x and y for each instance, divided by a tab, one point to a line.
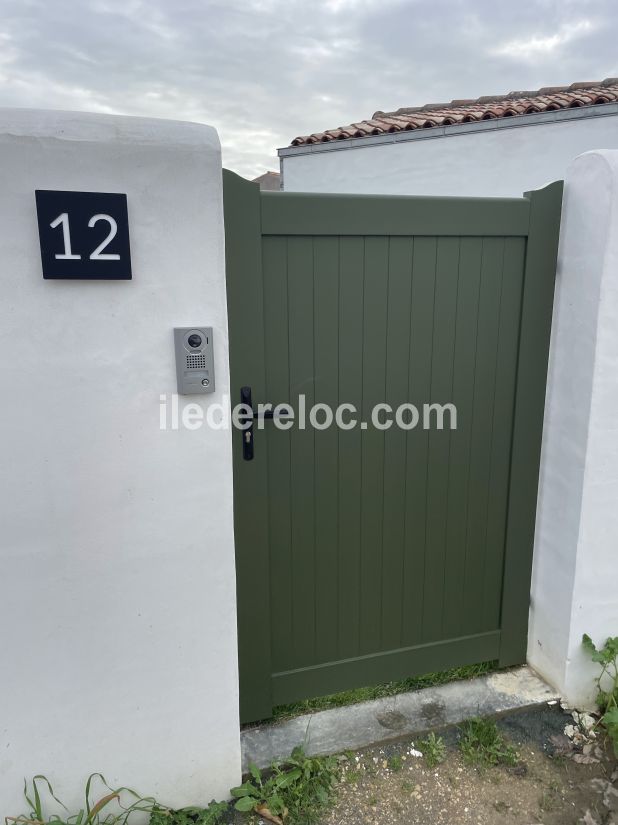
263	72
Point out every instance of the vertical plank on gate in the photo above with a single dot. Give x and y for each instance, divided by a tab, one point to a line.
466	322
351	269
482	415
502	428
397	366
535	328
243	255
302	449
326	354
275	275
443	343
372	441
417	447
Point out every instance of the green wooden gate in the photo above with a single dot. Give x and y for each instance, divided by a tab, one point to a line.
366	555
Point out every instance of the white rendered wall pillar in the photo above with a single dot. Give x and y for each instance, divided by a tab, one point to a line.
575	572
117	583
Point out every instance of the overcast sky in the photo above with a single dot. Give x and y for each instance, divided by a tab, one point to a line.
264	71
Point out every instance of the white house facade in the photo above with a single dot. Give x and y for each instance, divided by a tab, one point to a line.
492	146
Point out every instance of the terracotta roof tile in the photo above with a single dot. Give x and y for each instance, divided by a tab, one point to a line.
489	107
270	181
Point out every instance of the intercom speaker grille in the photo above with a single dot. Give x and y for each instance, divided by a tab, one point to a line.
196	362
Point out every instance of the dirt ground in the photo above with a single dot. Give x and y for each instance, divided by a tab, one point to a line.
391	786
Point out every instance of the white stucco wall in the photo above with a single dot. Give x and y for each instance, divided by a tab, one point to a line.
575	560
117	584
502	160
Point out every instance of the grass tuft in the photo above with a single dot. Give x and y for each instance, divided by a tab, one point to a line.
352	697
395	763
433	749
115	807
482	745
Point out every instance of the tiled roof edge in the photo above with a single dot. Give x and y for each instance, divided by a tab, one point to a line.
488	107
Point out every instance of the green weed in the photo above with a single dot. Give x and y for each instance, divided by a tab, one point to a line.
550	798
482	745
433	749
212	815
395	763
296	790
352	777
607	683
115	807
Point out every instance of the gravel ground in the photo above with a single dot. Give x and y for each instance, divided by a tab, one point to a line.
391	786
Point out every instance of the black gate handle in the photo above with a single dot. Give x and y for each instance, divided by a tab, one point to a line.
247	434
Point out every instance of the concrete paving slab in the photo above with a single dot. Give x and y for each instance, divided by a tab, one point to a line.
395	717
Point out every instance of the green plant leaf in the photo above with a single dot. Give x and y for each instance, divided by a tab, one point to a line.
607	699
246	803
275	804
246	789
298	753
284	780
599	656
91	814
588	644
37	809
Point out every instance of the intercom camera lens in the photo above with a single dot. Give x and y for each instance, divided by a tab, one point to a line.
194	341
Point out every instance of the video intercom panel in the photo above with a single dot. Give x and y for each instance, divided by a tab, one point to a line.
195	364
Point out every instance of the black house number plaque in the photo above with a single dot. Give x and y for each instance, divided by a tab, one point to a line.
83	235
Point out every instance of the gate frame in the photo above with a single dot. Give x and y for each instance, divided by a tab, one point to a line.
243	252
538	218
530	388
